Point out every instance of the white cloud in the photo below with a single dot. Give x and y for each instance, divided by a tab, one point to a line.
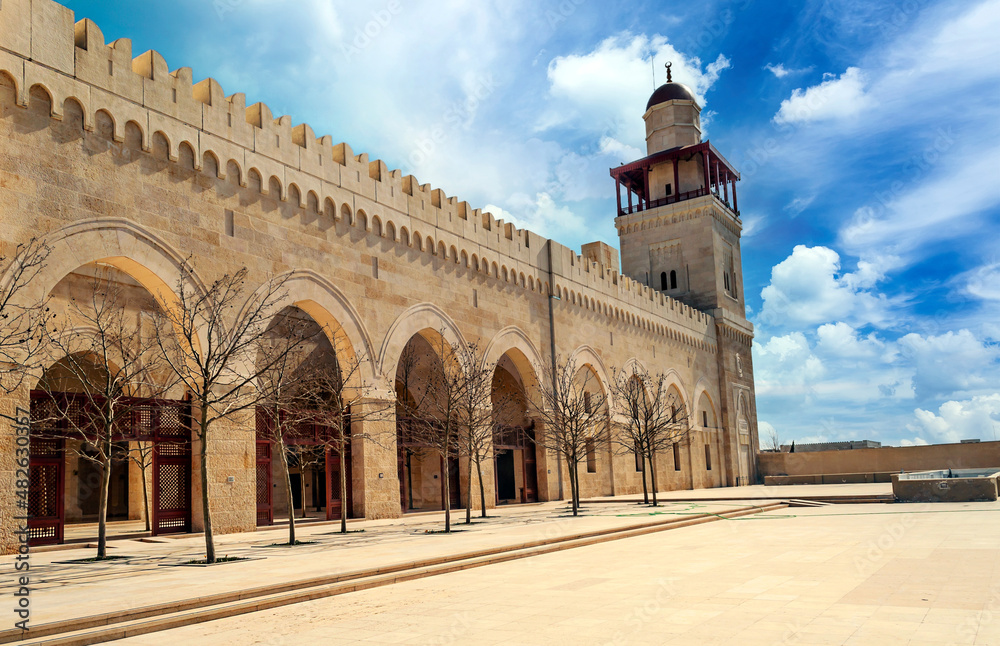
841	340
976	418
917	441
905	218
835	98
808	288
607	88
984	282
798	205
539	213
778	70
785	365
950	363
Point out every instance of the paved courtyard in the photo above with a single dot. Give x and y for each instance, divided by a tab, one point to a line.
850	574
840	574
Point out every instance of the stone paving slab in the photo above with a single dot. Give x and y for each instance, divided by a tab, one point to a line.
850	574
63	590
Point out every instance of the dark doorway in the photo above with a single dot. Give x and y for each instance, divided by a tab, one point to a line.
296	479
89	475
506	487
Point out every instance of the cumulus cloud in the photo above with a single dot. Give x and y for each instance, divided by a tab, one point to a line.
809	288
539	213
841	340
975	418
605	88
950	363
837	97
786	365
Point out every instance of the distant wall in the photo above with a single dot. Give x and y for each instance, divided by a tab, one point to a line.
885	459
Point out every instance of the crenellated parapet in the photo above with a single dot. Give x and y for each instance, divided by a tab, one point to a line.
44	50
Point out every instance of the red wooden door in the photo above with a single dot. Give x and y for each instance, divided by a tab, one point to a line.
46	513
265	506
172	469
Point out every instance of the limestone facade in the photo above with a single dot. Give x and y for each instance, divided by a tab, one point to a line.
116	160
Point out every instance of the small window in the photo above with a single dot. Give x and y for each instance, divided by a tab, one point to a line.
586	405
638	457
725	279
708	457
591	456
663	281
704	419
669	190
230	224
673	279
677	457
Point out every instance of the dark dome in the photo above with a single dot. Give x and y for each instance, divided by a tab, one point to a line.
669	92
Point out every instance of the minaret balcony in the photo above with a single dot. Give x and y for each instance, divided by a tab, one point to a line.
701	164
673	199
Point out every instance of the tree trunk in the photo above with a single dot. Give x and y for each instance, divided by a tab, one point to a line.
283	456
572	487
482	487
652	472
645	491
206	512
102	508
468	495
343	483
447	493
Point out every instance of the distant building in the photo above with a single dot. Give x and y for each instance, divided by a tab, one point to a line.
832	446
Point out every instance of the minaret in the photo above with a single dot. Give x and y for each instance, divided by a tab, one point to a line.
679	223
679	231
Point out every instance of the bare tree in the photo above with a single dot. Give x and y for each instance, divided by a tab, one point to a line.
286	349
141	455
773	441
337	397
635	412
574	410
653	417
21	325
211	339
473	384
114	364
434	420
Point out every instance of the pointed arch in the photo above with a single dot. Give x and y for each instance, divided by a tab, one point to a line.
336	315
416	319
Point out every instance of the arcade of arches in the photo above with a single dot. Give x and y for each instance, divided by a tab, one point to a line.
132	170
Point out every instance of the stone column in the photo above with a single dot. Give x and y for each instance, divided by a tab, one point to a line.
375	479
232	475
548	464
14	409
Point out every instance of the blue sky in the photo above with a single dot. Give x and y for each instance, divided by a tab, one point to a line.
868	134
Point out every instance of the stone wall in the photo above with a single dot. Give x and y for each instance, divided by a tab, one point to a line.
887	459
115	159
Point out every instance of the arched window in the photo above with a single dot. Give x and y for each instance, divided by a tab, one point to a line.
673	279
663	281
